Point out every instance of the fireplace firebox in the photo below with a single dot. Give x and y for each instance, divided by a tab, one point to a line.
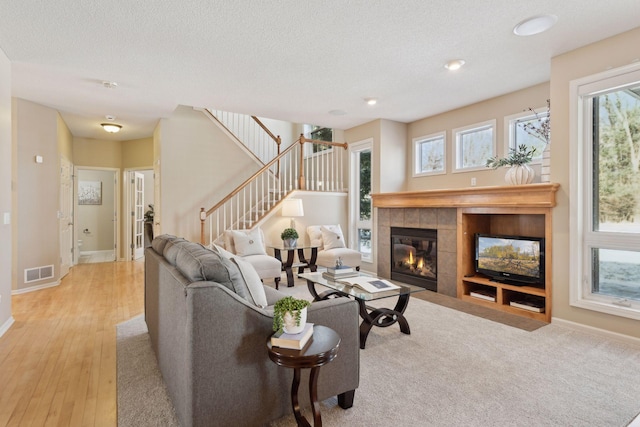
414	256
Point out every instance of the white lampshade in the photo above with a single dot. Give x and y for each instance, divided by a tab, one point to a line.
292	207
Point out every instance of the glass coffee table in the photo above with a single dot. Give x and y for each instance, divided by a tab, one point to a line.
371	316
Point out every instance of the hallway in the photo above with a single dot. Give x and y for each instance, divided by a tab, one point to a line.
58	360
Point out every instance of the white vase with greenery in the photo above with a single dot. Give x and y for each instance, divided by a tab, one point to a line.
290	315
519	172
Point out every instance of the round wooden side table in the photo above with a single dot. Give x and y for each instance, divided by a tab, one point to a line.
321	349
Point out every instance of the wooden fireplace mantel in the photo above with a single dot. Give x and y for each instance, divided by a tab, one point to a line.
529	195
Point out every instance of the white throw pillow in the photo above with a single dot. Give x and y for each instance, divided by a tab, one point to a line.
315	235
225	253
248	242
253	282
332	239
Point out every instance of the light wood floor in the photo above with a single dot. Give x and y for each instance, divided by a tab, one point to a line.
58	360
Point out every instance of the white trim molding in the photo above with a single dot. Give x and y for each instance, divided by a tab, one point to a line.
6	325
35	288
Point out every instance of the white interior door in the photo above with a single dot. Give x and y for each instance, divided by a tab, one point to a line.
138	215
65	217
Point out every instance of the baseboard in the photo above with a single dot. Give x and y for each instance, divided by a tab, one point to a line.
35	288
602	332
5	327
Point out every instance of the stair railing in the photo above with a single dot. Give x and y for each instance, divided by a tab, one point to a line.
250	132
305	165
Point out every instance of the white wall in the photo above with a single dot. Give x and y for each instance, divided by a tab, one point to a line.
5	192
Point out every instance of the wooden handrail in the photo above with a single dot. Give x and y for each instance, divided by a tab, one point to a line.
264	128
302	140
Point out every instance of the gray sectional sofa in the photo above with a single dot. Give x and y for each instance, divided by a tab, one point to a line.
210	340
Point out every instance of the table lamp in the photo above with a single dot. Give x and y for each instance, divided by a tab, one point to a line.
292	208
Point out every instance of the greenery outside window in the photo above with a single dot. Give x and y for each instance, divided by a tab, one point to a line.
360	198
474	144
318	133
429	155
605	273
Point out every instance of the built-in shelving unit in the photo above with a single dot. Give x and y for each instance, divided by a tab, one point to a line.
523	210
522	221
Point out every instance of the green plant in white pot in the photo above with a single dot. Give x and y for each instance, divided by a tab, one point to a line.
289	237
290	315
518	160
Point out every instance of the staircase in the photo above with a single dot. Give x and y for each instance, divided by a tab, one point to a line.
305	165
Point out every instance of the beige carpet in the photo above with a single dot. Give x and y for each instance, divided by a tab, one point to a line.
454	369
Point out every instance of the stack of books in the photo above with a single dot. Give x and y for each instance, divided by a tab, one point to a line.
294	341
337	273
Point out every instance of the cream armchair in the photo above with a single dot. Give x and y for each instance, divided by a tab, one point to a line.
249	244
332	246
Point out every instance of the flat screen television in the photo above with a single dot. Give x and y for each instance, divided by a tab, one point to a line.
517	260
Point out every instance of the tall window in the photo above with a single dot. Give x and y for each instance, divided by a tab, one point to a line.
360	198
607	108
318	133
474	145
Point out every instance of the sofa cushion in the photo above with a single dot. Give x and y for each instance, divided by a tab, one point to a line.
349	257
248	242
160	242
171	249
252	281
315	234
332	239
222	251
198	263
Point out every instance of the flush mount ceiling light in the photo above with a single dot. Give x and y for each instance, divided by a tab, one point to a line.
535	25
111	127
454	64
371	101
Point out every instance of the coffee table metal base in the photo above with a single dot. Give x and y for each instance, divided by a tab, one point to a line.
371	316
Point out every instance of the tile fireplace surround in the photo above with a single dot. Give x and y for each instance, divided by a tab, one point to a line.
438	209
441	219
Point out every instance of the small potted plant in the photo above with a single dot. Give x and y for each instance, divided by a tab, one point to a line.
290	315
518	160
289	237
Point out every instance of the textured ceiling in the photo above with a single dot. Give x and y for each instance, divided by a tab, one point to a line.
290	60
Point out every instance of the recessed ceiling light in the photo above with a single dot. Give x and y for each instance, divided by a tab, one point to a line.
371	101
454	65
111	127
109	85
535	25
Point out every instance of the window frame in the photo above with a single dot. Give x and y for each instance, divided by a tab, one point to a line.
510	123
581	234
459	132
307	131
417	143
356	223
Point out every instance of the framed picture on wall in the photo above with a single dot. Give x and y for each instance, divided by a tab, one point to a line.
90	192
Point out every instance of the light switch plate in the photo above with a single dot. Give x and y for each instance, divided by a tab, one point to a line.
6	218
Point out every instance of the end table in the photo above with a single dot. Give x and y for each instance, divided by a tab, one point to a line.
321	349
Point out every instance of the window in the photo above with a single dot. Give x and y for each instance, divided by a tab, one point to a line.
474	145
318	133
516	127
429	155
360	198
606	200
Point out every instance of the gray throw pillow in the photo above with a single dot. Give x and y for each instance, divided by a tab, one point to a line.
198	263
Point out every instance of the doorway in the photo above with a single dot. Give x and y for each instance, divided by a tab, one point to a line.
139	196
96	215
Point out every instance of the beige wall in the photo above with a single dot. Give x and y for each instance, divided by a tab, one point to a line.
35	222
495	108
65	139
137	153
199	167
97	153
598	57
5	192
